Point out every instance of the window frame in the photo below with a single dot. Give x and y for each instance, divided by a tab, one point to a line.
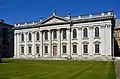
54	34
74	48
97	34
37	36
30	37
37	49
30	49
85	49
64	49
74	33
46	35
22	49
46	49
97	48
85	33
64	34
22	37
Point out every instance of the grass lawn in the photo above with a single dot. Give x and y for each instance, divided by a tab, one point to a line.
52	69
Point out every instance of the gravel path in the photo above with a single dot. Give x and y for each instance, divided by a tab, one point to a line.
117	62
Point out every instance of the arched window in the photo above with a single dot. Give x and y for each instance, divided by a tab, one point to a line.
46	35
96	32
54	34
64	34
85	32
22	37
30	36
74	33
37	36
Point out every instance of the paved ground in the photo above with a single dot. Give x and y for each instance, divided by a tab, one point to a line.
118	68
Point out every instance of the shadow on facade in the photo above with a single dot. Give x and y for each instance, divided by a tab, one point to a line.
116	49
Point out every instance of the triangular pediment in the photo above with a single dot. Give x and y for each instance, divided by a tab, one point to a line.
53	19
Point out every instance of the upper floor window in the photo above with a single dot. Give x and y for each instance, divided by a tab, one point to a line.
97	32
96	48
22	37
30	36
54	34
74	33
46	35
85	32
64	34
37	36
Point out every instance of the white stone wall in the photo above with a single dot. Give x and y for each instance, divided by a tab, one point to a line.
105	40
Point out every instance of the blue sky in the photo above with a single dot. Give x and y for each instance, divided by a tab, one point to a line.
13	11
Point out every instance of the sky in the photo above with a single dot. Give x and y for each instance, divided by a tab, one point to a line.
14	11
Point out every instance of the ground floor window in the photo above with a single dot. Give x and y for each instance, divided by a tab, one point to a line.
29	49
85	48
37	49
22	50
46	49
64	49
74	48
97	48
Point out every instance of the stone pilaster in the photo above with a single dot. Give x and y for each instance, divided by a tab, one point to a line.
15	45
50	42
69	41
33	44
59	42
26	47
90	46
41	44
18	45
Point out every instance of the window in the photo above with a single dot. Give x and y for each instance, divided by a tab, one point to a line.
74	33
64	34
29	49
85	32
30	37
74	48
96	32
22	50
85	48
96	48
22	37
37	49
64	49
46	49
37	36
46	35
54	34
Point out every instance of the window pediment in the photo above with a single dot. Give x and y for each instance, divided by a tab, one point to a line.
64	43
85	42
97	42
29	44
74	43
55	44
46	44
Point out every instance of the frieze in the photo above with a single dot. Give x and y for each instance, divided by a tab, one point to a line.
80	28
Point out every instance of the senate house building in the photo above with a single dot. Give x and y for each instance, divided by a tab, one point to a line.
88	36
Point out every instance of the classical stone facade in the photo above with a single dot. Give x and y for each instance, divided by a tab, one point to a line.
71	37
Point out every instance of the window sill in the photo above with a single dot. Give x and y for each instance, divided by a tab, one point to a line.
54	40
22	54
74	39
29	41
37	41
74	54
85	53
64	39
97	54
46	54
22	42
64	53
85	38
45	40
97	37
29	54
